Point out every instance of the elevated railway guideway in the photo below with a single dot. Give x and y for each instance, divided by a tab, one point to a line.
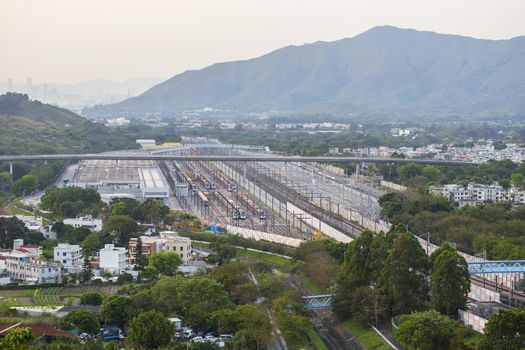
224	158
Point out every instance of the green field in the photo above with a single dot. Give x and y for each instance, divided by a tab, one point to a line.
269	258
366	336
51	296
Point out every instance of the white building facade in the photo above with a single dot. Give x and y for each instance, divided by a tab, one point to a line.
113	259
69	256
86	221
29	269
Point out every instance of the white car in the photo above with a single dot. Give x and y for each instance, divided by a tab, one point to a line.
198	339
210	338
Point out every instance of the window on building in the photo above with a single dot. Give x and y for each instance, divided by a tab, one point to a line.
181	248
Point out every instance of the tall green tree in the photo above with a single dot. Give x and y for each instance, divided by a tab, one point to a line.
150	330
406	274
449	283
121	228
115	310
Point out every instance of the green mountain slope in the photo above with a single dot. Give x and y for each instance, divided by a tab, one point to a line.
33	127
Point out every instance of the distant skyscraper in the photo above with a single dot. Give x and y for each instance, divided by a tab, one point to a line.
10	83
43	95
29	87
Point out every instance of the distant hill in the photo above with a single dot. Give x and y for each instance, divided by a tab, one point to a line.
19	105
29	127
386	71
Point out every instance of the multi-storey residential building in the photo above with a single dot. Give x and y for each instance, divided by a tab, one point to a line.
69	255
113	259
176	243
167	241
475	194
85	221
27	268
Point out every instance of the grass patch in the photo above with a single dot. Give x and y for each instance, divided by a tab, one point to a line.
53	293
316	341
271	259
366	336
310	283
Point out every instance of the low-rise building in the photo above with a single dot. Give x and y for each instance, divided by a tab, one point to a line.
85	221
179	244
113	259
168	241
475	194
27	268
69	255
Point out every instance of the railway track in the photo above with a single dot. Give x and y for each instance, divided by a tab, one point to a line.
287	194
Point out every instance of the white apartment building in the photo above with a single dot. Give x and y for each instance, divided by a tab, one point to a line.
178	244
113	259
85	221
69	255
478	193
29	269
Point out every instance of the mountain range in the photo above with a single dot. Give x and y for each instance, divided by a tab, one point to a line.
385	71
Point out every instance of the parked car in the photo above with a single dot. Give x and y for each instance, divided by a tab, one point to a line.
197	339
210	338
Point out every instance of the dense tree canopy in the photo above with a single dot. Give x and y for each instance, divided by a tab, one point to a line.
427	330
150	330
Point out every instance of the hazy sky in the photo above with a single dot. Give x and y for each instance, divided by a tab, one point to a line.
73	40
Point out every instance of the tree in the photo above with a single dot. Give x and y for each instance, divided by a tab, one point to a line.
165	262
124	278
211	296
406	274
92	243
87	271
152	211
505	330
368	306
115	310
121	228
25	185
149	274
150	330
19	339
449	283
271	287
91	298
358	254
253	327
517	179
124	206
225	252
85	321
5	181
427	330
140	259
